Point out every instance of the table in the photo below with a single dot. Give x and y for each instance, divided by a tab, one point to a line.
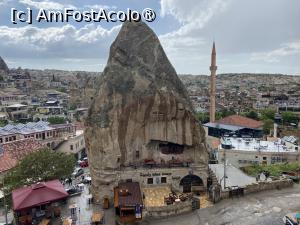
97	217
44	222
177	200
67	221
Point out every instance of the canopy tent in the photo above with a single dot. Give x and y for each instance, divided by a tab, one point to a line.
38	194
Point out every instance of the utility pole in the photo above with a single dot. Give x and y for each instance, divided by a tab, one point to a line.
4	202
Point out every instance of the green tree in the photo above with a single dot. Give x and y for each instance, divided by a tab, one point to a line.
267	114
203	117
223	113
56	120
289	117
252	114
42	165
62	89
3	123
268	125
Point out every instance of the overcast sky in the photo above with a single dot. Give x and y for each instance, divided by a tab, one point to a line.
258	36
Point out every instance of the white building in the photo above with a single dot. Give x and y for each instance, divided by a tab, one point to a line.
247	151
73	145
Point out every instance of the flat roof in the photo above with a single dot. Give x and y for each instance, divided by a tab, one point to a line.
133	198
223	126
28	128
252	144
16	106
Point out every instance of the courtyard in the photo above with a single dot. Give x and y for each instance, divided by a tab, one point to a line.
264	208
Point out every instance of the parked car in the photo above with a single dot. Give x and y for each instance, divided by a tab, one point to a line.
78	172
84	163
73	191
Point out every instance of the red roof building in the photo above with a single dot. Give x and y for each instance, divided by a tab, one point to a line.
38	194
241	121
14	151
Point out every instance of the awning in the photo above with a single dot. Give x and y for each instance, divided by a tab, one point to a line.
38	194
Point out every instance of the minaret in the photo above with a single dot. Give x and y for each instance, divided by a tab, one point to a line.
213	70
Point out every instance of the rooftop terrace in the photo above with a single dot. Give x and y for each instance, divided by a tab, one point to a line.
252	144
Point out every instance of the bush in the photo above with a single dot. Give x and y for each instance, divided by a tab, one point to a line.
56	120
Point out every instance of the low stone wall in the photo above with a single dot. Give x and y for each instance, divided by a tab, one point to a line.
268	185
262	186
168	210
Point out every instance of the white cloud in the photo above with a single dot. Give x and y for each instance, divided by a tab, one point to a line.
46	4
185	44
4	2
66	41
194	17
286	49
97	7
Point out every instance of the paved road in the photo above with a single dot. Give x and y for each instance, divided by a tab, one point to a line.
264	208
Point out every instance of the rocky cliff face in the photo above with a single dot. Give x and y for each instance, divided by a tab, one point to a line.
3	68
140	103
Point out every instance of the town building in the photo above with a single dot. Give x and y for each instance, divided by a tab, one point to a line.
18	112
38	200
242	152
128	202
234	125
12	152
46	134
74	144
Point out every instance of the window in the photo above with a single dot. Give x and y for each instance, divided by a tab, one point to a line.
6	139
71	147
256	156
163	180
137	154
1	140
10	138
264	158
36	136
14	138
150	181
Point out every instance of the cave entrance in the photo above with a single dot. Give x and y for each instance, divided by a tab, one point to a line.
170	148
190	181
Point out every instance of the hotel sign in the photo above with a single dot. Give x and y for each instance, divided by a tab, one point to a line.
155	174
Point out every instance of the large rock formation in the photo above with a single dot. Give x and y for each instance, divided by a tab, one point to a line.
140	105
3	69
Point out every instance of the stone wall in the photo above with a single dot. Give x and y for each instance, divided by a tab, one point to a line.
173	175
268	185
262	186
168	210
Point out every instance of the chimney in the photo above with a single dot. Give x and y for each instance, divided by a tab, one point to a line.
213	70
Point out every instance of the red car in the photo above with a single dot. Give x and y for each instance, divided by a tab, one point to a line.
84	163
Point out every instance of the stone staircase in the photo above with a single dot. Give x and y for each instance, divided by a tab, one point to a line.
213	176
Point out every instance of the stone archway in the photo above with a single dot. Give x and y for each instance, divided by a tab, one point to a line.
190	180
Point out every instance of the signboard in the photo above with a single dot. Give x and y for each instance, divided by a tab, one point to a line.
154	174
